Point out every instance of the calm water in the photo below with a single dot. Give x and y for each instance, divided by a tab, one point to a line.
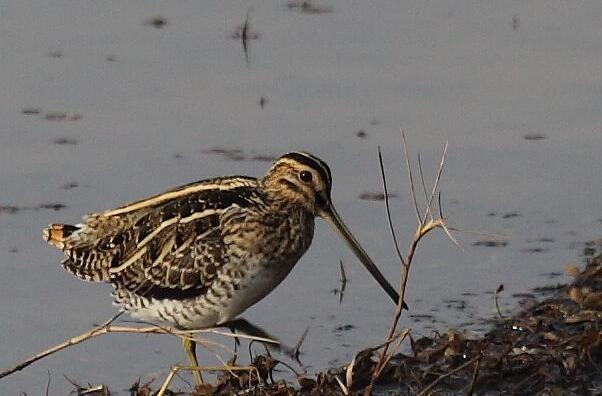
123	109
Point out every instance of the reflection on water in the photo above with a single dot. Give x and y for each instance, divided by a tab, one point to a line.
103	103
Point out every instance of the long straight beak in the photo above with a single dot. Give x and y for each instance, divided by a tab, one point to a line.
334	220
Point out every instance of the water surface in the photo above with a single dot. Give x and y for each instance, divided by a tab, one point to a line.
99	107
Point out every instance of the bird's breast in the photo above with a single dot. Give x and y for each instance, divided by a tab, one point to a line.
262	252
272	239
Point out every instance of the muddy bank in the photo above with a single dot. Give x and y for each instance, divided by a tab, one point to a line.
551	347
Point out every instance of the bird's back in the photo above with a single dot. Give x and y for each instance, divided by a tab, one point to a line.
153	238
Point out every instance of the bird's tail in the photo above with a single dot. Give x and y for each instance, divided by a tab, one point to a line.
59	235
81	259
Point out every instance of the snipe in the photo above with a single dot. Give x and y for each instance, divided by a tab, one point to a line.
199	255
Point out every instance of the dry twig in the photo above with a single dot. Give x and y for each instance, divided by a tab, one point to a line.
106	328
426	223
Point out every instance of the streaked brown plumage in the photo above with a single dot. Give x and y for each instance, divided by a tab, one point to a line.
199	255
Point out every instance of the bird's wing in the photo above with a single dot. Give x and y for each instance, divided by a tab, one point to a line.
169	241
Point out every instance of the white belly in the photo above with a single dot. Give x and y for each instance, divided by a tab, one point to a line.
201	312
254	287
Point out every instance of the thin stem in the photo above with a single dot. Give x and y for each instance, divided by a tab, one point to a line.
427	210
389	218
439	173
411	177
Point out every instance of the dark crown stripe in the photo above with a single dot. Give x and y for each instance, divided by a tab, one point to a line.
313	162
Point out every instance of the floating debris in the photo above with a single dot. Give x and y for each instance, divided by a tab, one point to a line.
31	110
541	240
70	186
61	141
534	136
361	134
60	116
490	243
239	155
548	289
11	209
458	305
308	7
262	158
158	22
56	206
551	274
420	317
55	54
345	327
262	101
231	154
244	34
341	291
524	295
515	23
535	250
376	196
511	215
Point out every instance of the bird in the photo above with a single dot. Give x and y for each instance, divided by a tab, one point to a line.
198	255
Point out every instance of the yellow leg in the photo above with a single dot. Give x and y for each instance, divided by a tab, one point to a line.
190	348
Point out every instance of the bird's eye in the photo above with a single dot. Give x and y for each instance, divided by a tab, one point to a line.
305	176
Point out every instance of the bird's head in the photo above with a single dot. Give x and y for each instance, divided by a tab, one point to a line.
303	179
